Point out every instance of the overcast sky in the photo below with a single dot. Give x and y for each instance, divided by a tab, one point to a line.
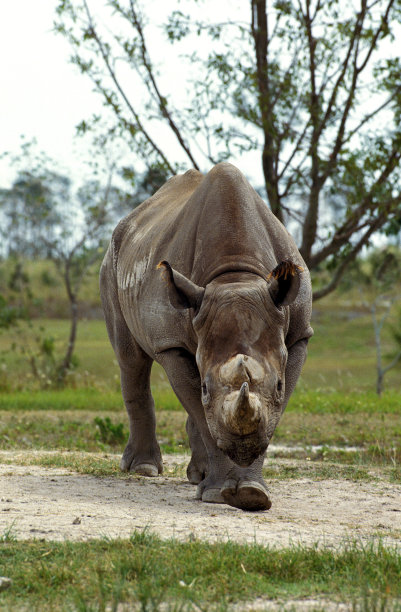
42	95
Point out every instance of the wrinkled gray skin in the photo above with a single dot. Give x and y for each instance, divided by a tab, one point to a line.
231	340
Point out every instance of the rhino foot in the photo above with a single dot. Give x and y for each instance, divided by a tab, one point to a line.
195	472
210	496
209	490
197	467
142	464
246	494
246	491
145	469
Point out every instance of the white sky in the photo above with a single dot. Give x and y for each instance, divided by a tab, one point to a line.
42	95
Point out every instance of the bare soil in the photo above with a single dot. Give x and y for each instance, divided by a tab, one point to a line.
57	504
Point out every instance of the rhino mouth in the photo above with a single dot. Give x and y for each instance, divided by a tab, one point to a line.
245	450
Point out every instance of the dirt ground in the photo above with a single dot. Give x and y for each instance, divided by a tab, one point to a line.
57	504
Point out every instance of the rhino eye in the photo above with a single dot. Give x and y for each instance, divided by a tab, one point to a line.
279	386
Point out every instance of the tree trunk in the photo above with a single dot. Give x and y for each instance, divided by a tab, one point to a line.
66	364
261	40
310	223
379	367
379	382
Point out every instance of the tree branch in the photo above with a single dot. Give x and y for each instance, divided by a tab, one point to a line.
161	99
383	23
368	203
310	221
121	91
356	71
260	35
392	363
340	79
333	284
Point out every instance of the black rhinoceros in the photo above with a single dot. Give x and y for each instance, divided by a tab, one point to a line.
203	279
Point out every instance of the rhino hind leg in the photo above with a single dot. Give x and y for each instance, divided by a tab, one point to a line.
197	467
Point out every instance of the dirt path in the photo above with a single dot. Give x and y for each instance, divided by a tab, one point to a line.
56	504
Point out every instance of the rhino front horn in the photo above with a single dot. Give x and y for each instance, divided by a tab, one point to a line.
242	403
242	411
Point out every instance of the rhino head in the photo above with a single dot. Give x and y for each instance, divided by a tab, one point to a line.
240	324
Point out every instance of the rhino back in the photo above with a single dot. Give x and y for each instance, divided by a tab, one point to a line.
202	225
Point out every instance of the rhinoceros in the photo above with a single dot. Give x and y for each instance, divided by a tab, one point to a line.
203	279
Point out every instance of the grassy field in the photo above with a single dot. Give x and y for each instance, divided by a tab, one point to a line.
147	572
334	421
341	355
90	420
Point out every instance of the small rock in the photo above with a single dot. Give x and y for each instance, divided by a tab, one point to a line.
76	521
5	583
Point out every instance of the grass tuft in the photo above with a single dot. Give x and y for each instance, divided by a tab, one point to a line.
147	571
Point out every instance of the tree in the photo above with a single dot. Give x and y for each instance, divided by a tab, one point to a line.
76	247
45	217
28	210
312	86
381	278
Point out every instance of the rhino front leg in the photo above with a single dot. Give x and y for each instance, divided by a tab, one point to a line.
245	488
142	453
197	468
225	482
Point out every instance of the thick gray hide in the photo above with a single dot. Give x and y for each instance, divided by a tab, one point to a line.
232	351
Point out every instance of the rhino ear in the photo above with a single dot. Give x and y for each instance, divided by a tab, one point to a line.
182	292
285	283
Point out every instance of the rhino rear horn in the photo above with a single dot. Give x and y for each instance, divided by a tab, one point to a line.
285	283
182	292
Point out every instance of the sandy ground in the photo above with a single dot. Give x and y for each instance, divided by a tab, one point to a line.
56	504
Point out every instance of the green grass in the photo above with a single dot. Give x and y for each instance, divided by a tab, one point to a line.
78	430
339	402
102	465
341	355
83	428
47	288
67	420
100	399
89	398
147	571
